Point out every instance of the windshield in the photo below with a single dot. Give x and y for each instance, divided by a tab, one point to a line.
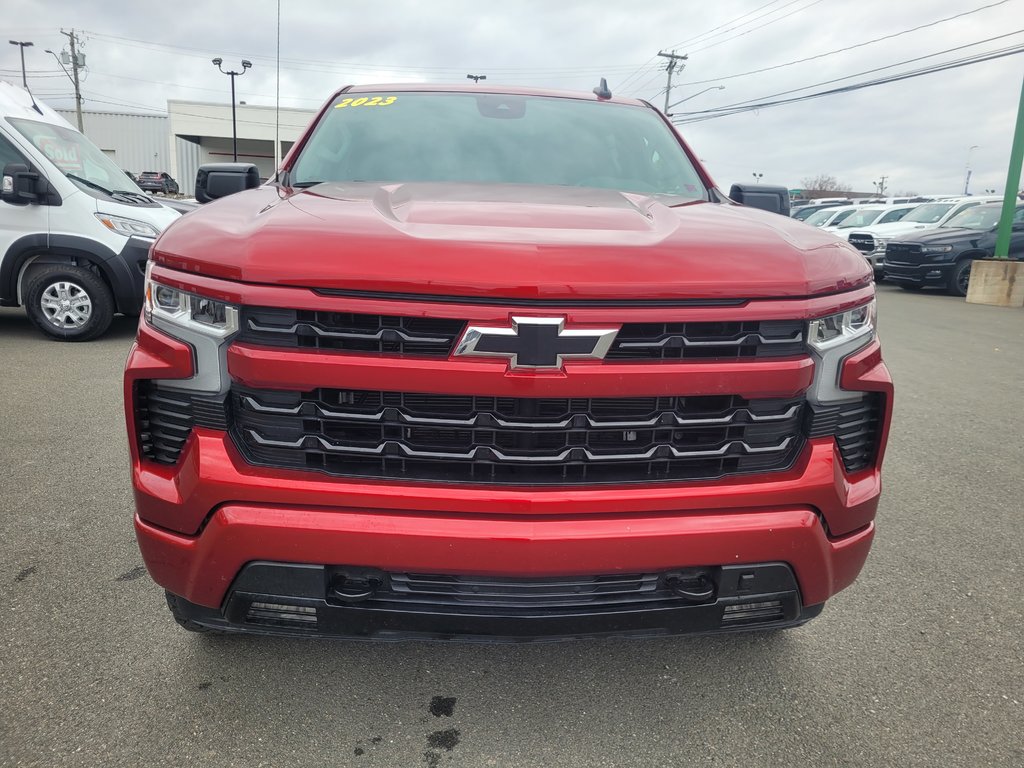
75	156
496	138
820	217
842	216
981	217
929	213
861	218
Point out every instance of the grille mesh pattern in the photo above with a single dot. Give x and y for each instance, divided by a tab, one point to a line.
436	337
165	417
855	427
520	441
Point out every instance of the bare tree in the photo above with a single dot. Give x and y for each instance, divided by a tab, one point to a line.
823	185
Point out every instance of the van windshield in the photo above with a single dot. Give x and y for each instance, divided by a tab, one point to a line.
75	156
496	138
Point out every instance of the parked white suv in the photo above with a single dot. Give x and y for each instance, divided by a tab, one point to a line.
871	241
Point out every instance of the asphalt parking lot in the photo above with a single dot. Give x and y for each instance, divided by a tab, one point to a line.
921	662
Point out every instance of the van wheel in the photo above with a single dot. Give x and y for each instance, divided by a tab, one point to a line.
68	303
960	277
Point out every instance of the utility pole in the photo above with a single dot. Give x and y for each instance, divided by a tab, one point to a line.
72	41
881	186
673	63
1012	184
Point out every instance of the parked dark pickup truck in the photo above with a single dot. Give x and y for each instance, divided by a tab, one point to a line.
942	257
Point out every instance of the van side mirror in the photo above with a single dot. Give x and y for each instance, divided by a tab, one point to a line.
774	199
19	185
217	180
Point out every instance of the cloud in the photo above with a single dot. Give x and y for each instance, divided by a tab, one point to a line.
916	132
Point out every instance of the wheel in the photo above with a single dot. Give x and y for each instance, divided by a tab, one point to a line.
911	287
960	277
183	621
68	303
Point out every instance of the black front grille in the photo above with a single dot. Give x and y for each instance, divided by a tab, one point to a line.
349	332
855	427
862	242
165	417
903	253
480	594
436	337
726	340
518	441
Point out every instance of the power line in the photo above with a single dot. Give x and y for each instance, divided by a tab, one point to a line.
741	104
758	29
956	64
715	29
645	67
847	48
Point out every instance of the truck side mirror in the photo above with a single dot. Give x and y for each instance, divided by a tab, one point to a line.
19	185
774	199
217	180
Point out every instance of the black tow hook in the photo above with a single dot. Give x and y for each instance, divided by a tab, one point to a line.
692	586
355	588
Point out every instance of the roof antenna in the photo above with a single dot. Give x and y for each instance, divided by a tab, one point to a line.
602	91
34	105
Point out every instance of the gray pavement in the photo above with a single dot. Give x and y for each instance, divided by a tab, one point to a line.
921	662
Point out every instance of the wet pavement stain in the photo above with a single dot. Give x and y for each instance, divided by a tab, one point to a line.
445	740
24	573
358	751
135	573
442	706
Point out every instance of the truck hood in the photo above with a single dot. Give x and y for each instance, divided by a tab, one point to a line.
507	241
945	236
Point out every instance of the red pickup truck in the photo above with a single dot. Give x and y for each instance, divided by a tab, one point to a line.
500	364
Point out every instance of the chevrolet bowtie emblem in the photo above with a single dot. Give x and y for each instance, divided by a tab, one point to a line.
536	342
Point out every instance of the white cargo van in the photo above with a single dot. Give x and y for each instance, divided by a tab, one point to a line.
75	231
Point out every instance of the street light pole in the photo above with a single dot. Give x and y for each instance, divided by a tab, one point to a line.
23	44
234	123
476	78
758	177
698	93
967	168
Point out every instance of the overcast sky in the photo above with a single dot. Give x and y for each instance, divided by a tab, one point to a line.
917	132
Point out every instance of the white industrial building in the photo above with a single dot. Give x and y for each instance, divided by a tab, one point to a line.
190	134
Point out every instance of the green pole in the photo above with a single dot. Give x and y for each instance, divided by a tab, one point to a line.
1012	183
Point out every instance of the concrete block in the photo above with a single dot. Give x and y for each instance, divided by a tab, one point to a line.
997	282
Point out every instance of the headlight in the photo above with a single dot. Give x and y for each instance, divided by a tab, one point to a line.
835	330
832	339
206	324
171	309
127	227
936	248
881	242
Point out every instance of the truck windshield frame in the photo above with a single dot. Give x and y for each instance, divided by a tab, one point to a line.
493	138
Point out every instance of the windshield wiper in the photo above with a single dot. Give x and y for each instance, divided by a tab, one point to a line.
304	184
88	183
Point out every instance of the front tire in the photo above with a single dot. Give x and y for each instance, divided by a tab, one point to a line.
960	278
68	303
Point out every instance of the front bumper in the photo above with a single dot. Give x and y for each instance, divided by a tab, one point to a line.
201	521
924	275
296	599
